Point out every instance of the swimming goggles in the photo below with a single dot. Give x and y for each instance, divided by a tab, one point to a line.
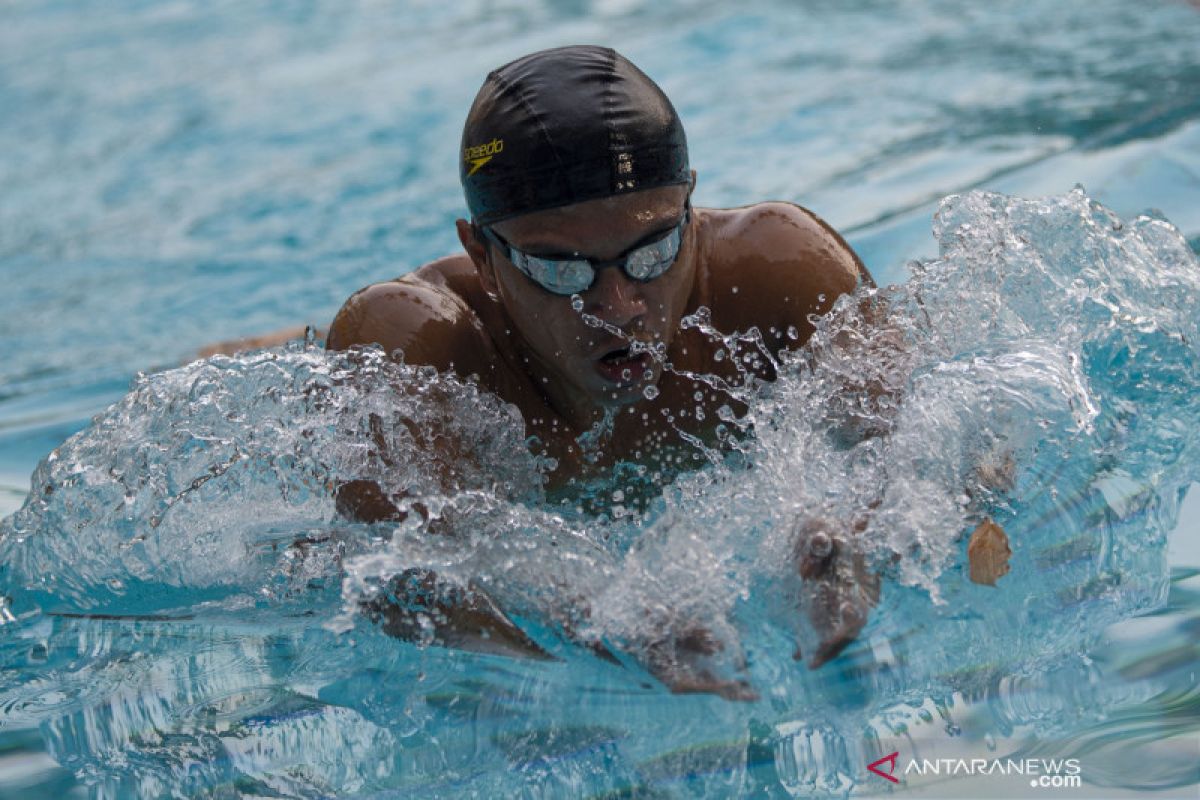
566	275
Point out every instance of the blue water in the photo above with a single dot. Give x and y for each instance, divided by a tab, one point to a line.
178	173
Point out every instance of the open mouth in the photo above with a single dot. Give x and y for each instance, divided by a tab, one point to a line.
617	356
622	365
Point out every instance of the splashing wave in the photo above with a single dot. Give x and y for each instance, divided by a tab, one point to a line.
1044	372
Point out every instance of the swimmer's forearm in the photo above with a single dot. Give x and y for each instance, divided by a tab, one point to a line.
869	361
364	501
419	608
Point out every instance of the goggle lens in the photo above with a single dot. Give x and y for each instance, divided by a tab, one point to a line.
561	277
567	276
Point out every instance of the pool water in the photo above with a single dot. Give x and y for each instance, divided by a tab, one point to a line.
182	172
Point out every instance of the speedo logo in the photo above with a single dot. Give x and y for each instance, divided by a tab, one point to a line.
480	154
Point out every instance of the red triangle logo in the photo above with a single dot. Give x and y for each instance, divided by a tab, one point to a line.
891	760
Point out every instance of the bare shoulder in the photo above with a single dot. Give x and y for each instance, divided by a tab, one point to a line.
420	314
774	264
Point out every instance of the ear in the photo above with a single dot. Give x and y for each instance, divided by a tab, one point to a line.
692	188
477	251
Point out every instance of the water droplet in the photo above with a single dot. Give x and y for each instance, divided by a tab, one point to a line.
792	333
650	392
577	303
719	355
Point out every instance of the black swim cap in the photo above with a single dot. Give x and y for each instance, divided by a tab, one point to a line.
563	126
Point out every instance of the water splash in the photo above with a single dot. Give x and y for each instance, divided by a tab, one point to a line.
1042	372
201	478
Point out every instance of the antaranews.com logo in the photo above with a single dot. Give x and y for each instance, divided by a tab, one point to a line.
1040	773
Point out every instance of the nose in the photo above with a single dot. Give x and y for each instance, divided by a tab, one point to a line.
616	298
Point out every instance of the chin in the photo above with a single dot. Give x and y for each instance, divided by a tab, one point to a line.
621	397
625	394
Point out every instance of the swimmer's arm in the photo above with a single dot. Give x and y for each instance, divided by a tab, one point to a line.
790	267
838	589
785	265
795	267
799	268
418	607
427	325
824	268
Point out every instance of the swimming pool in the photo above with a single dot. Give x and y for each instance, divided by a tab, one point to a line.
179	172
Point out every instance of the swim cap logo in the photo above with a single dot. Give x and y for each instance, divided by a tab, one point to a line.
481	154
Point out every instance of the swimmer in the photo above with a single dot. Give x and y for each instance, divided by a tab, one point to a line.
576	174
581	254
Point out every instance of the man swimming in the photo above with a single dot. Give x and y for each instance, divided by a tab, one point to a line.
582	255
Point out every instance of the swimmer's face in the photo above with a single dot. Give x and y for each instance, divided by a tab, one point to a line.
578	363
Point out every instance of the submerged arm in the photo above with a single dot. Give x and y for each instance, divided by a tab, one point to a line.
425	323
867	353
791	268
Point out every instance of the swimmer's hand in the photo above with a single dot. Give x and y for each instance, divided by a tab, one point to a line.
683	660
420	608
680	654
837	590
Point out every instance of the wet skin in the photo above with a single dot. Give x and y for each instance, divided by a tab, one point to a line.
769	266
